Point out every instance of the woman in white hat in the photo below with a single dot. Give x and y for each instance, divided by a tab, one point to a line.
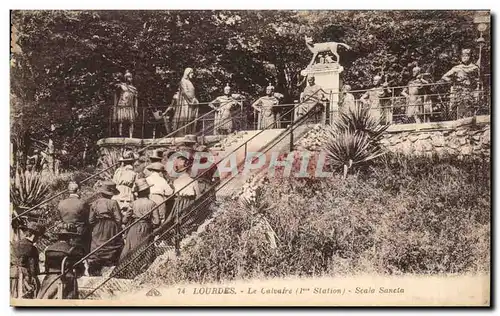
141	233
186	188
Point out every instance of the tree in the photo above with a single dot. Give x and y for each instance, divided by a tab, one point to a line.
64	68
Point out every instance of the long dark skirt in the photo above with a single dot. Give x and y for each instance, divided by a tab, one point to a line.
138	253
30	285
50	287
180	206
107	255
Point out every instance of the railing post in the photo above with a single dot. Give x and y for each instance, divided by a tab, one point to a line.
392	106
177	234
110	115
143	122
291	137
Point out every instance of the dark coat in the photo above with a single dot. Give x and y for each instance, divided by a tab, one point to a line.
24	260
54	256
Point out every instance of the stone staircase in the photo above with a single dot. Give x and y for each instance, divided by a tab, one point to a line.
268	141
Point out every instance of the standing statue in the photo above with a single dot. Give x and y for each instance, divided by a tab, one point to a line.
464	79
415	94
265	106
125	104
348	100
372	99
223	105
313	96
317	48
186	107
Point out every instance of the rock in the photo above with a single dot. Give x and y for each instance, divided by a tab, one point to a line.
422	136
486	135
453	144
413	137
461	132
466	150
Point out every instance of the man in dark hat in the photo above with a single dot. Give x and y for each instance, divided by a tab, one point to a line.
75	211
24	265
61	257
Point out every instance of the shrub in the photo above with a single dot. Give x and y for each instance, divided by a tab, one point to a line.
354	139
436	221
28	189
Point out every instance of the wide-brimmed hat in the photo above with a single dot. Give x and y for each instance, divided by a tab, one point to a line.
127	156
67	229
34	227
156	156
203	148
169	153
109	188
156	166
141	184
190	139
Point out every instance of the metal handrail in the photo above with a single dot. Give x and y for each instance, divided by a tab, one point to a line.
104	170
167	199
220	186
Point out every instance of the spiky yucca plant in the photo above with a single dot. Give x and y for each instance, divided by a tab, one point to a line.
354	139
28	189
109	159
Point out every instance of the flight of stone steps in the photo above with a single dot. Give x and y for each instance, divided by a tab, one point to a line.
272	140
268	142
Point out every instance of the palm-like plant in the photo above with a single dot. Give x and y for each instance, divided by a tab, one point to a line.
354	139
109	160
28	189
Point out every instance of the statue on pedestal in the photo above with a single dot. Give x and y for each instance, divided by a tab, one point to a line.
125	104
348	100
464	79
223	105
373	100
415	94
184	107
328	47
265	107
312	97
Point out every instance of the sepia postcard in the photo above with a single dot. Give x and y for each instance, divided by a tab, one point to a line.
250	158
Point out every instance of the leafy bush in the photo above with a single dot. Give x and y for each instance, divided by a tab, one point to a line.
436	221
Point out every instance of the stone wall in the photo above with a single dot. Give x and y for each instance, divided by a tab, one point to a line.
465	137
461	141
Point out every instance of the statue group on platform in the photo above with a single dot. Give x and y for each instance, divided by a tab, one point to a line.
182	116
417	94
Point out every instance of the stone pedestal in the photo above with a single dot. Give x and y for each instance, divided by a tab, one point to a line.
327	76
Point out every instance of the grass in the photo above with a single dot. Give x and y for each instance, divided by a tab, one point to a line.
402	215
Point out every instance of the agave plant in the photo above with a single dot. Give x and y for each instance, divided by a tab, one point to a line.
354	139
28	189
109	161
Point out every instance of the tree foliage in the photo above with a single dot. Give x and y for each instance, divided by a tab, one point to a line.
63	72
